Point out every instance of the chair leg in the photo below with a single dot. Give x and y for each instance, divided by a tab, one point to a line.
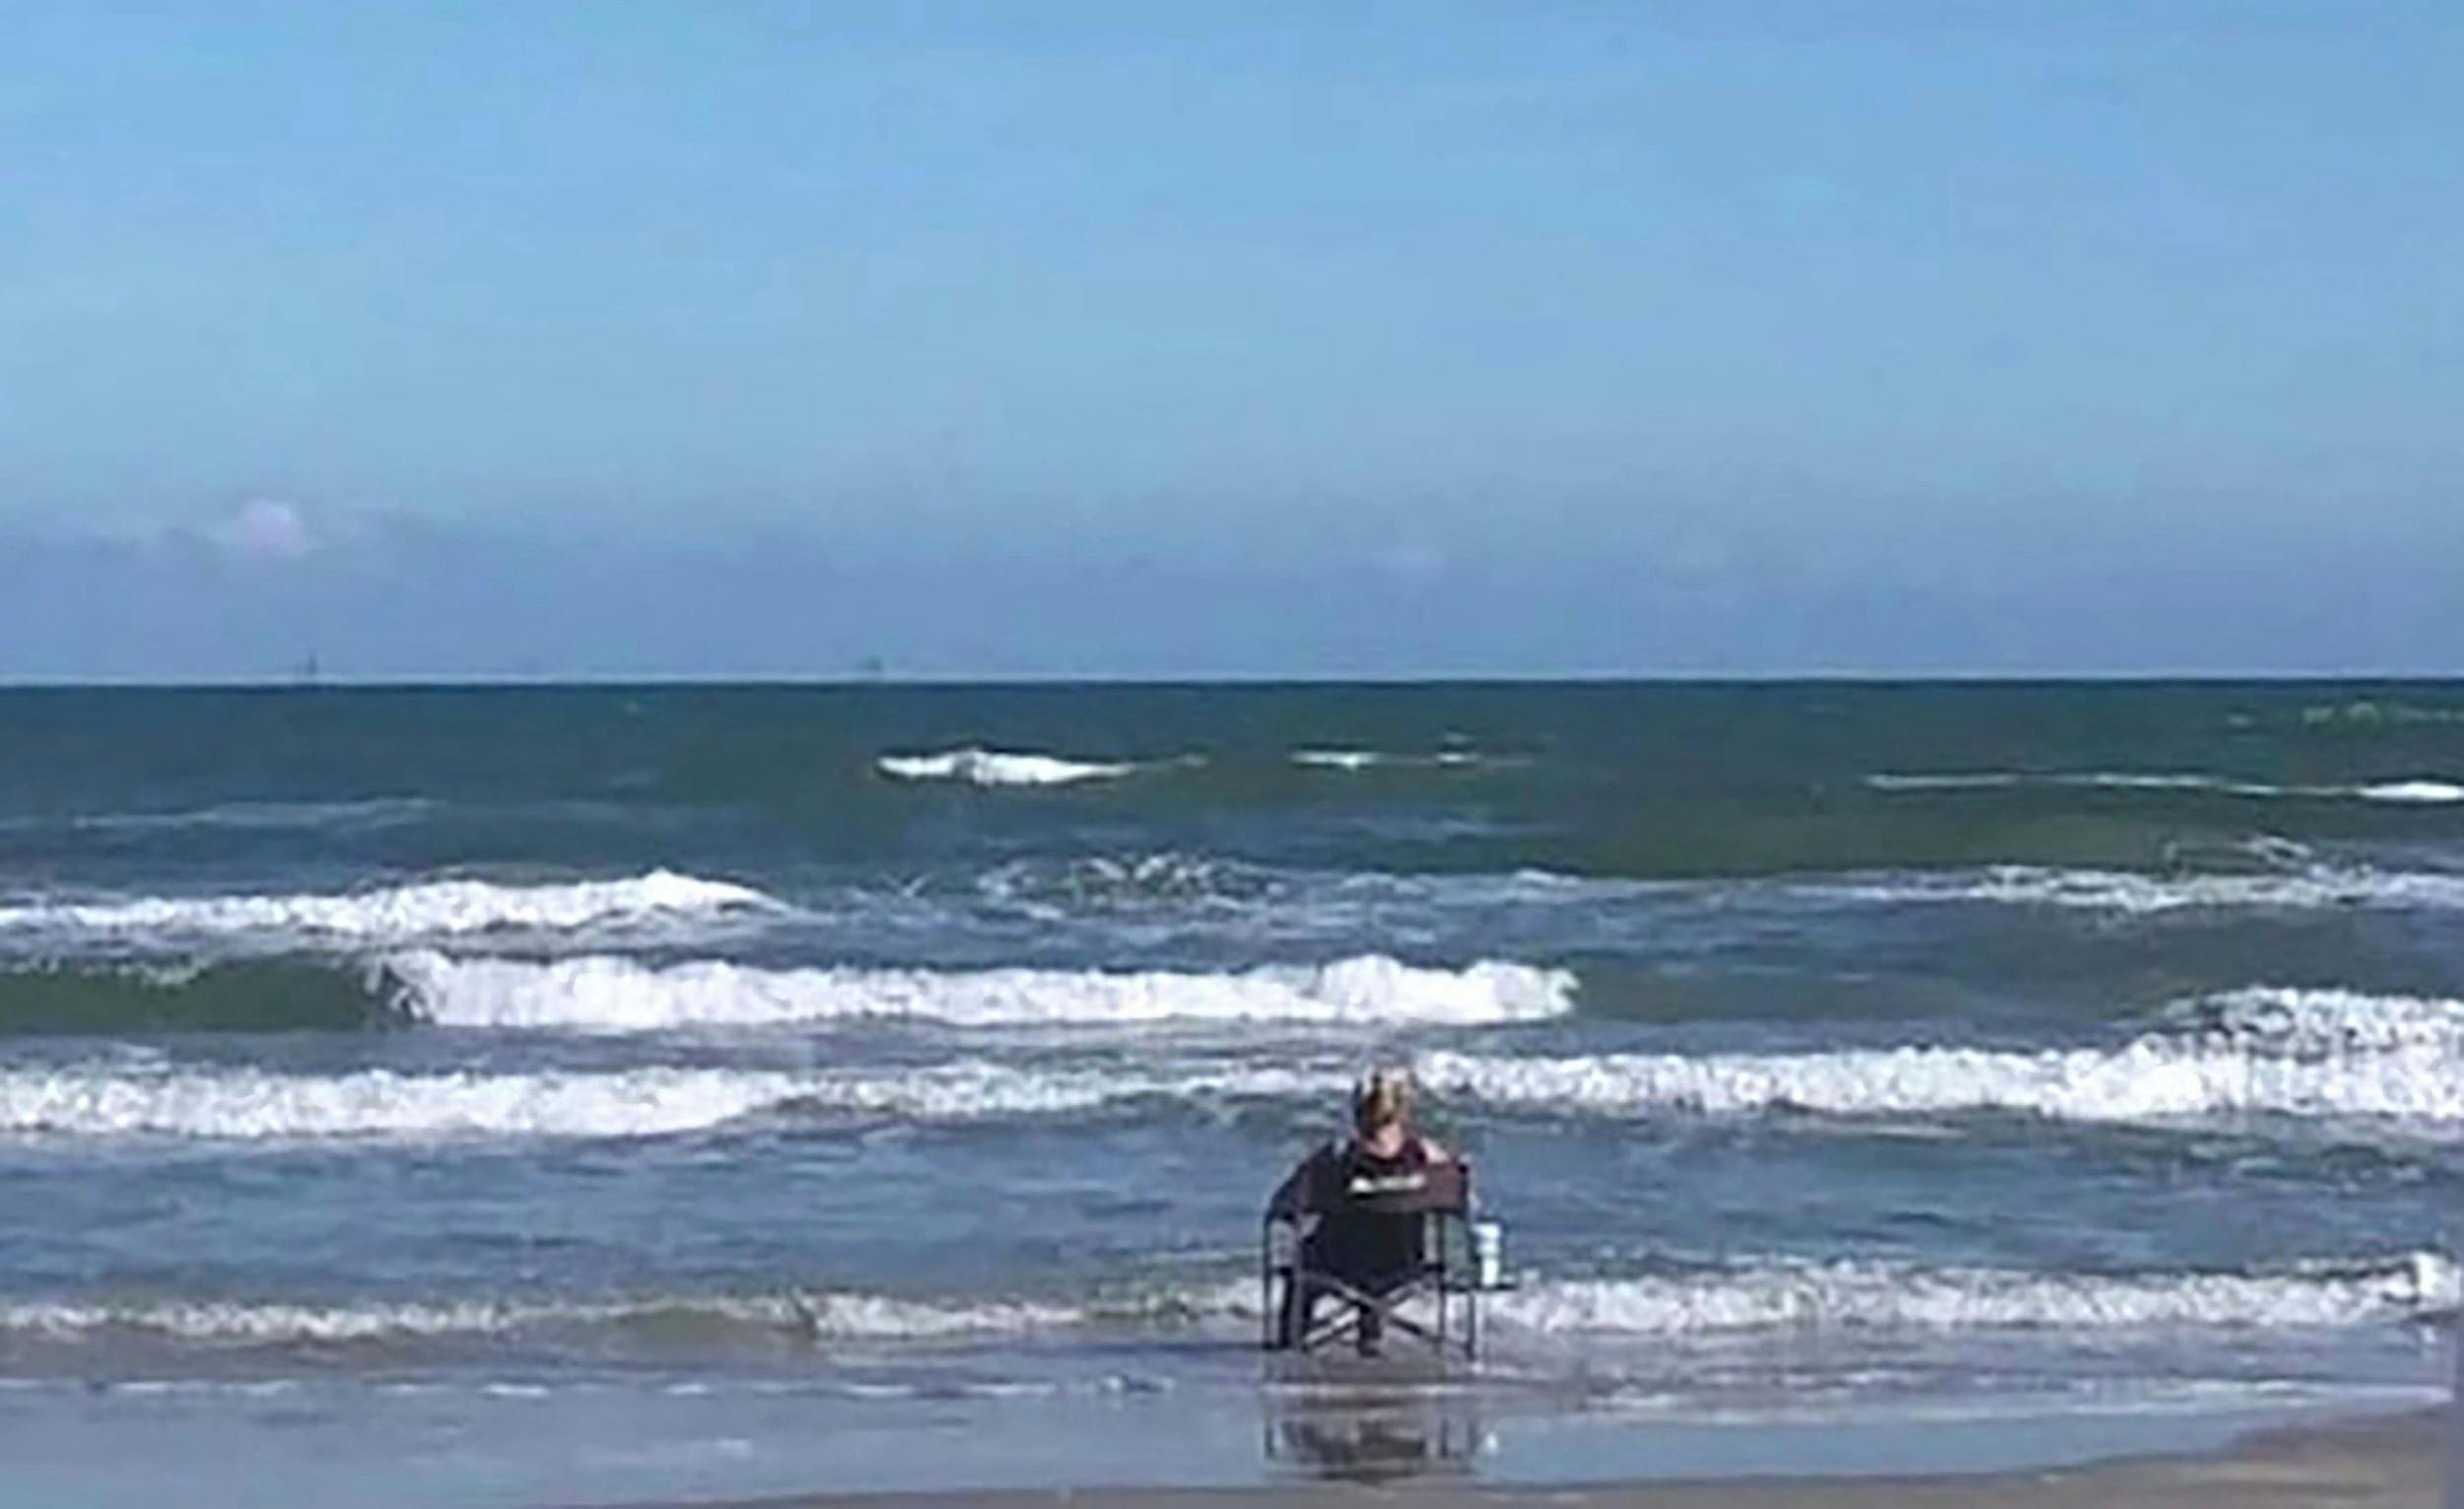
1291	1321
1367	1318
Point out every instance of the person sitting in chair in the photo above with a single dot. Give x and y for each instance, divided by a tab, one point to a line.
1385	1156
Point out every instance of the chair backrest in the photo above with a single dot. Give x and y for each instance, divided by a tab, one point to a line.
1381	1229
1443	1187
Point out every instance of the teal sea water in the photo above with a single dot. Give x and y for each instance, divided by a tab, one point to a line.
606	1092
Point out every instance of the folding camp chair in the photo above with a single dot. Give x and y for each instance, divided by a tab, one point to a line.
1369	1255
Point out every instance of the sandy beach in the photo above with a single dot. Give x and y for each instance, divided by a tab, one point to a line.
2375	1464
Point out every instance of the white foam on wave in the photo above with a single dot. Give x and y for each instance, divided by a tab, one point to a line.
2146	894
2329	1022
423	908
1340	759
1373	759
103	1100
2402	1082
1059	890
2099	779
1895	1296
1743	1297
241	1323
2320	1056
2155	1078
2418	791
977	766
618	994
252	1104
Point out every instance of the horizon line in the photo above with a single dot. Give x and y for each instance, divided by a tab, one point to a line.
843	682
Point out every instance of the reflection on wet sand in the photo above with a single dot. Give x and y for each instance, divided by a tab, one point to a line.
1373	1432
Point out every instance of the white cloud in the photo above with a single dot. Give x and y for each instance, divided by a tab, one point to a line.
264	529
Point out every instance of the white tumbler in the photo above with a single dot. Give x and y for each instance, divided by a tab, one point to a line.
1488	1253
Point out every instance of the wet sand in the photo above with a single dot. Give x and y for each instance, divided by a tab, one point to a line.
2392	1462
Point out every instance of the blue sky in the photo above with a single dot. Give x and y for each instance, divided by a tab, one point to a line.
1267	339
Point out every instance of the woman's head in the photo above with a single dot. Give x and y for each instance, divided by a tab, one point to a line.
1382	1099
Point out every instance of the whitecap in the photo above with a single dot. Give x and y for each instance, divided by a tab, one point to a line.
98	1100
838	1315
977	766
2424	792
2143	893
2419	791
106	1100
422	909
1746	1296
2401	1078
1898	1296
611	993
2309	1021
1340	759
2155	1078
1346	759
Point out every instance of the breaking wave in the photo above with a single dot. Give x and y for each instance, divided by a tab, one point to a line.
252	1104
826	1314
2329	1022
611	993
1746	1297
1378	759
2143	894
2419	790
2310	1059
1893	1296
2153	1079
423	908
98	1100
2440	791
620	995
977	766
1053	889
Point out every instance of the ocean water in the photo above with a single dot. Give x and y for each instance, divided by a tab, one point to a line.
601	1093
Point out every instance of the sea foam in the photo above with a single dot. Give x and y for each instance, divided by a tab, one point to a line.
2422	792
1768	1295
252	1104
976	766
2153	1079
240	1322
2156	1079
2317	1022
106	1100
2418	791
1373	759
2140	893
618	994
423	908
1898	1296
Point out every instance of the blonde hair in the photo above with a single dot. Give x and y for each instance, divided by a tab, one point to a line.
1382	1098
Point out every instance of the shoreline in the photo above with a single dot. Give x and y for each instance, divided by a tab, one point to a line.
2374	1462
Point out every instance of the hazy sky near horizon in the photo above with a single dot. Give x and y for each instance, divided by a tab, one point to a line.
1267	339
